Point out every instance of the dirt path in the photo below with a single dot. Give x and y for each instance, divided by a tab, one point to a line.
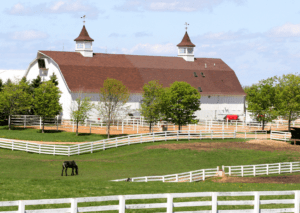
279	179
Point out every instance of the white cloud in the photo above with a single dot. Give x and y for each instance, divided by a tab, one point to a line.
155	49
29	35
75	7
172	5
286	30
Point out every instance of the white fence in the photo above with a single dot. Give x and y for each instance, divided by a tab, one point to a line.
262	169
91	147
191	176
170	202
283	136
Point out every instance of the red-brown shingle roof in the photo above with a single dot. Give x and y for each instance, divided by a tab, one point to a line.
83	36
186	41
89	73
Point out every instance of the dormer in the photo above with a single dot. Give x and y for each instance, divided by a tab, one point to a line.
84	43
186	48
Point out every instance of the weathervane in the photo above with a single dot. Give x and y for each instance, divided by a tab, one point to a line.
186	24
83	19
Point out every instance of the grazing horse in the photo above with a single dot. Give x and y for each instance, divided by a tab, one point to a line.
69	164
128	180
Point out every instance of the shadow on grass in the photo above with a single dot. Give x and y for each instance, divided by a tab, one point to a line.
50	131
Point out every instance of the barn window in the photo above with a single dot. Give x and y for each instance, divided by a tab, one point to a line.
41	63
190	50
182	50
199	89
195	74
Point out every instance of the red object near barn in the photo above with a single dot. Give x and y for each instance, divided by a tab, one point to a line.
231	117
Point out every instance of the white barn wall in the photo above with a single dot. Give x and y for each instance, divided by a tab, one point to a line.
12	75
65	99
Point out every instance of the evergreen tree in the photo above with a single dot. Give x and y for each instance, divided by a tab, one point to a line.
53	79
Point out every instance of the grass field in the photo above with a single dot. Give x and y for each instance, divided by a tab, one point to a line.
26	176
49	135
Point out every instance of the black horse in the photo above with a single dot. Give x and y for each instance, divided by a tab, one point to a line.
69	164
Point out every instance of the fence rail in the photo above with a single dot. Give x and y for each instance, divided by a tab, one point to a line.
262	169
91	147
170	202
191	176
282	136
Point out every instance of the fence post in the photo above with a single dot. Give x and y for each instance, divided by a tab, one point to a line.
24	121
256	202
223	134
69	151
279	168
78	149
267	169
254	171
297	201
242	170
169	203
191	177
165	136
229	170
26	147
234	135
214	202
128	139
163	178
92	147
153	137
189	135
40	122
73	205
137	128
203	174
54	150
39	148
141	138
291	167
21	206
103	145
176	177
177	135
146	179
121	204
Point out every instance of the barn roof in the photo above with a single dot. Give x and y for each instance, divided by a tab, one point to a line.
186	41
89	73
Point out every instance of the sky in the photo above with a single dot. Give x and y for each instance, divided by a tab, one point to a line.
258	39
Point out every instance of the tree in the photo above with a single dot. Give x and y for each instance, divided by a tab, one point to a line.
15	99
151	102
261	100
179	102
1	85
113	97
54	79
35	83
288	97
46	101
80	108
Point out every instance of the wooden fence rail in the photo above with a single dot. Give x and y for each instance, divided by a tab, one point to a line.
262	169
191	176
251	201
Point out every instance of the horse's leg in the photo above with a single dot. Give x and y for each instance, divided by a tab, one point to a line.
62	172
72	171
66	171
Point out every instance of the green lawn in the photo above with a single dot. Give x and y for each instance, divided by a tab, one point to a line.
49	135
33	176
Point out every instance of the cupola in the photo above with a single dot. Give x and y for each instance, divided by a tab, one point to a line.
84	43
186	48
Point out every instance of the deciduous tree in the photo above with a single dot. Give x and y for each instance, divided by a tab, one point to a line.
46	101
15	99
261	100
80	108
288	97
113	97
180	101
151	107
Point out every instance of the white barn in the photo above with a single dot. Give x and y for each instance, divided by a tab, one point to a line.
84	70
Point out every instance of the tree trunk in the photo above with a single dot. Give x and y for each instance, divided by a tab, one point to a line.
289	122
150	127
43	125
108	129
77	127
263	126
